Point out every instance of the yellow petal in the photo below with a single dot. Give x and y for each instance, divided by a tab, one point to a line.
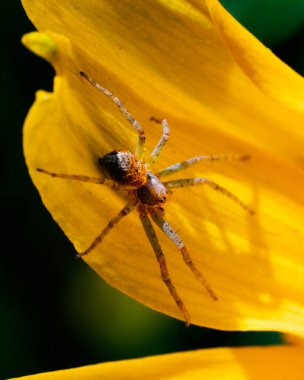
166	59
221	363
266	71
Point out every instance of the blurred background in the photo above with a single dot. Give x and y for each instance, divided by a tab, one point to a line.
45	324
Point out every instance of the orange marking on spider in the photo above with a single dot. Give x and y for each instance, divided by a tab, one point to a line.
149	194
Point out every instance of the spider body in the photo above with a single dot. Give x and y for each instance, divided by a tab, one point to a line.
148	194
126	170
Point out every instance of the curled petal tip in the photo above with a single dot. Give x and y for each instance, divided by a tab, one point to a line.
40	44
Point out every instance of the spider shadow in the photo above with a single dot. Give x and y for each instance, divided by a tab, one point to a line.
239	258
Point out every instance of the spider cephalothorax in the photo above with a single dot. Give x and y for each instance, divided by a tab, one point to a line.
148	194
154	192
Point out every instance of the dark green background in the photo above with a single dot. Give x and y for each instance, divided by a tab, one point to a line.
55	312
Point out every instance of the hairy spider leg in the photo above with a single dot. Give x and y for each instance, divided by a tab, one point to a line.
178	242
75	177
135	124
194	160
122	213
151	234
186	182
160	145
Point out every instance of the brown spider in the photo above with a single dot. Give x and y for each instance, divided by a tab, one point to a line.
148	194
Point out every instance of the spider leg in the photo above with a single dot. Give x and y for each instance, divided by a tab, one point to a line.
160	145
75	177
135	124
186	182
122	213
194	160
150	232
178	242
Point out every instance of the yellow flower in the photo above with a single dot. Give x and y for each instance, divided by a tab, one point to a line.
222	92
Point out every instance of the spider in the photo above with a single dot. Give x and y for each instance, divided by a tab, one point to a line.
148	194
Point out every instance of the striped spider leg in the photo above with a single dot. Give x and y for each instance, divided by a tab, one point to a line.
148	194
135	124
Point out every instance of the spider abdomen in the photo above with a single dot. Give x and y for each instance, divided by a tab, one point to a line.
124	168
153	192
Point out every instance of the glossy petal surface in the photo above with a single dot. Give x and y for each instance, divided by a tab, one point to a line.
252	363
